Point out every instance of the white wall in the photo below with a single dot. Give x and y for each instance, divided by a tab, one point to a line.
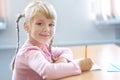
74	26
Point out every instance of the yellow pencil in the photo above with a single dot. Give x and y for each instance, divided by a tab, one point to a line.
85	51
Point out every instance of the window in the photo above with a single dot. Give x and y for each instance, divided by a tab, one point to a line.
106	11
2	14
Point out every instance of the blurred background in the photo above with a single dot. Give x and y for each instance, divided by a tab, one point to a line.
79	22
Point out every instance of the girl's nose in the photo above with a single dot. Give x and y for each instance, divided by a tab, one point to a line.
46	29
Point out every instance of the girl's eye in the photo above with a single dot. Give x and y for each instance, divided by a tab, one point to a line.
39	24
51	25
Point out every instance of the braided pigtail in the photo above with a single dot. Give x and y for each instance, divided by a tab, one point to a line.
18	40
18	33
50	45
50	50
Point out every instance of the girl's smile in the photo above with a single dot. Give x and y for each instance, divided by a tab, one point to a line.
44	35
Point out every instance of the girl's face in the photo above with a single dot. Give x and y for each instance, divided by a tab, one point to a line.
41	29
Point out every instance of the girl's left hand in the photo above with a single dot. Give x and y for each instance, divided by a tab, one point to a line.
61	60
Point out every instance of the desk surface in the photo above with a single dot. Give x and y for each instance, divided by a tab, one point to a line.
95	75
102	57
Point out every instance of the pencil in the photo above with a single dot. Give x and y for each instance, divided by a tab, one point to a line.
85	51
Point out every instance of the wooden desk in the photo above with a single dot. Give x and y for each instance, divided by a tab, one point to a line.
102	55
95	75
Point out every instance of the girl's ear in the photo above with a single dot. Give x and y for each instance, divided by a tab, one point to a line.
26	27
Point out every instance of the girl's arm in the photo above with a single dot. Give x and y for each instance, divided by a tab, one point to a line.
63	54
50	71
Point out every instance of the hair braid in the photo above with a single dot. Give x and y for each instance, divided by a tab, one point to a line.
18	39
17	26
50	45
50	50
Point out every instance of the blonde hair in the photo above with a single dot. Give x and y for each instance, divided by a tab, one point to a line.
39	7
29	13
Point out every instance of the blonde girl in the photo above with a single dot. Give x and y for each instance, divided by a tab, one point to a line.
37	59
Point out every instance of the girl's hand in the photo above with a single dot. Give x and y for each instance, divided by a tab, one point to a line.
61	60
85	64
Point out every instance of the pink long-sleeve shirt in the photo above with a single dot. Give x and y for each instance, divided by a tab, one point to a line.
32	63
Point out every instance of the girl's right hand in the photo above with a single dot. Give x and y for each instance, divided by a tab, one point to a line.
85	64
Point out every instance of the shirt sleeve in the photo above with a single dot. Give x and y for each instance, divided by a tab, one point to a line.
50	71
63	52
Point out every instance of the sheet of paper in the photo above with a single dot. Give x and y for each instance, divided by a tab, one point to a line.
95	67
